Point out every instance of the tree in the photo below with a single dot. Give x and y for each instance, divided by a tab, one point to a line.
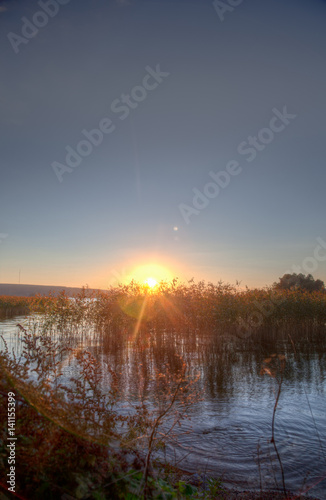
299	282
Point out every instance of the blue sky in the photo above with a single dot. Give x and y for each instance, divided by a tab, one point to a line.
119	208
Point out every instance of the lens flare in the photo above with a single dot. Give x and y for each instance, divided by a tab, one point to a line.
151	282
151	274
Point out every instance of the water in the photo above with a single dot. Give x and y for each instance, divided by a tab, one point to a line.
231	427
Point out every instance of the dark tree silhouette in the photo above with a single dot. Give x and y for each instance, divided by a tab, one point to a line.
299	282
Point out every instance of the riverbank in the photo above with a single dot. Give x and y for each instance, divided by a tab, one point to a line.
208	488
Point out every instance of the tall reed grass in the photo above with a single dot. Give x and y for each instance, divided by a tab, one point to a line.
14	306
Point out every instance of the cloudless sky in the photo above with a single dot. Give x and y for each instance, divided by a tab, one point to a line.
119	208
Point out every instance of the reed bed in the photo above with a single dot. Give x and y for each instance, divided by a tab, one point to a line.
14	306
177	305
11	306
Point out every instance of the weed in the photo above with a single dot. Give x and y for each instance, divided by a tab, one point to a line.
274	367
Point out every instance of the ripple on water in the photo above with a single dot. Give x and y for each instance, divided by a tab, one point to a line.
231	430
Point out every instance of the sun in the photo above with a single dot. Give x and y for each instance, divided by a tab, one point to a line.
151	282
151	274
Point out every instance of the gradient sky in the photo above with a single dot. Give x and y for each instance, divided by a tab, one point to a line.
120	207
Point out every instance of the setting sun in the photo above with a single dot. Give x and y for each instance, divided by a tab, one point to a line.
151	274
151	282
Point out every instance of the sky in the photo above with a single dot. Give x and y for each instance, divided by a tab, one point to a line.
187	136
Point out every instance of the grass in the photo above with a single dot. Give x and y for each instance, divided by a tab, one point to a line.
11	306
14	306
178	305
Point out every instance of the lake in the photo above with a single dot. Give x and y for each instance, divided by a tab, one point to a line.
231	426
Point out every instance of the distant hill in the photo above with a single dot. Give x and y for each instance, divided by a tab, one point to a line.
30	290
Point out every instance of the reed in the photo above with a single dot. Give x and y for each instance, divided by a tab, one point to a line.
14	306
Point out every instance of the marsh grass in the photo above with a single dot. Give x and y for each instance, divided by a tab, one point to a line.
176	305
14	306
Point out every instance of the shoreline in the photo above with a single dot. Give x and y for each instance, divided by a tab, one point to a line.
230	492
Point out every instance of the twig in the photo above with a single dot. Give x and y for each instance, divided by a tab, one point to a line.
152	435
273	436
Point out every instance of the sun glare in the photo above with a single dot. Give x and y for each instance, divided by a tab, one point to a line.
151	274
151	282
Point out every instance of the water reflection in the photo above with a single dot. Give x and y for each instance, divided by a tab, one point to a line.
231	427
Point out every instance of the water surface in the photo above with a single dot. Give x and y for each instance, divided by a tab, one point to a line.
231	426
